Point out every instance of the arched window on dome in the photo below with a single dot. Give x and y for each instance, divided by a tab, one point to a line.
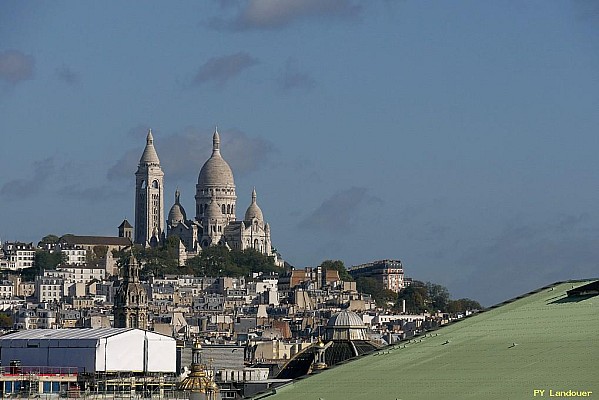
224	209
155	184
143	184
228	209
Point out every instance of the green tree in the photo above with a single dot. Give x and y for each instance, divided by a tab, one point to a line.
250	260
95	255
462	305
5	321
213	261
48	240
338	266
438	295
161	260
220	261
29	274
374	288
100	251
45	260
416	297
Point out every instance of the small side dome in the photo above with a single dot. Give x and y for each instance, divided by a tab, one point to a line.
212	211
177	213
253	210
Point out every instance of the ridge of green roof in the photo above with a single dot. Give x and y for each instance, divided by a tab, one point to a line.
542	340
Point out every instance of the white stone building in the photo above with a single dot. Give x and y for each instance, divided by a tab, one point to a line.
18	255
7	289
73	254
388	272
80	274
49	288
215	221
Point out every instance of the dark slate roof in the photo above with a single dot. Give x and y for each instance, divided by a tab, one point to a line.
125	224
96	240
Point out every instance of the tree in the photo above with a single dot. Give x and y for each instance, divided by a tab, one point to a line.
48	240
213	261
463	305
416	297
45	260
438	295
161	260
220	261
338	266
5	321
29	274
95	255
251	260
374	288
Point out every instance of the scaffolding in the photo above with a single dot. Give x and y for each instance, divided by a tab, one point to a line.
54	383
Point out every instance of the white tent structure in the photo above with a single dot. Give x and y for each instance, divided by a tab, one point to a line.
91	350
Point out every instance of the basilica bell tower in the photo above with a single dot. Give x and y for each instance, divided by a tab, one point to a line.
149	197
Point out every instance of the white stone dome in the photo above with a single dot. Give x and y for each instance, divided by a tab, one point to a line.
216	171
254	210
212	211
177	212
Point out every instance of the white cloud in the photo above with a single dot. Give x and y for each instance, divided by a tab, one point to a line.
220	70
275	14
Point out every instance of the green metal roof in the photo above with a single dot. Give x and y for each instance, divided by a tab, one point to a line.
540	341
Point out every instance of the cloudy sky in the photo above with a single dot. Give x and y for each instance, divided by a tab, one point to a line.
460	137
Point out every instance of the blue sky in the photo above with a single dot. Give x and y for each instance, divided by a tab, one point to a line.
459	137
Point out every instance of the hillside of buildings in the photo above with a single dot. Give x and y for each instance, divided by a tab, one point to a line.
260	322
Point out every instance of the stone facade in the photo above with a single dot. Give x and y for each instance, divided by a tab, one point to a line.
215	221
388	272
149	197
131	299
